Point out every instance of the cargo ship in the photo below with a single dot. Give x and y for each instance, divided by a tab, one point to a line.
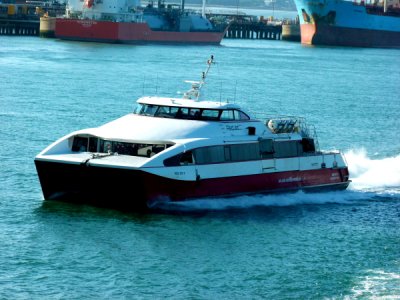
177	149
126	21
350	23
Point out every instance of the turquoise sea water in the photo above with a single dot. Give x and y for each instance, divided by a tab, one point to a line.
338	245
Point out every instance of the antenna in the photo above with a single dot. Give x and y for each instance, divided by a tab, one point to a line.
194	92
234	96
220	91
157	85
144	81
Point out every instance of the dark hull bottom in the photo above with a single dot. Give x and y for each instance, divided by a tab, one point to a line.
322	34
135	189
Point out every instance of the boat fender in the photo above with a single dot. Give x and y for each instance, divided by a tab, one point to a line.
334	164
198	178
323	165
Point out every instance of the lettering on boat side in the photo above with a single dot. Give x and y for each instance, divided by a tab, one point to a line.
334	176
233	127
290	179
87	23
179	173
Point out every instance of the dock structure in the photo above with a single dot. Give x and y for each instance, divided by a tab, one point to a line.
254	30
19	27
291	30
243	26
24	19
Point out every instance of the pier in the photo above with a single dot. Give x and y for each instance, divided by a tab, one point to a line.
291	30
254	30
250	27
19	27
24	19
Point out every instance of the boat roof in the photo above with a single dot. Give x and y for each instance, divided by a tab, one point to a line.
179	102
133	127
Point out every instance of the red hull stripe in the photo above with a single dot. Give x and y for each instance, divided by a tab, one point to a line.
121	32
321	34
260	183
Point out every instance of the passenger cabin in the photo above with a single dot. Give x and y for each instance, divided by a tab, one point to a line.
270	146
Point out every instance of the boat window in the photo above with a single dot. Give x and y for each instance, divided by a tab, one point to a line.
161	111
194	113
181	159
210	155
287	149
125	148
138	108
227	115
227	153
244	152
173	161
239	115
133	149
107	147
149	110
210	114
267	148
183	113
187	113
308	144
166	112
173	111
93	144
186	158
80	144
216	154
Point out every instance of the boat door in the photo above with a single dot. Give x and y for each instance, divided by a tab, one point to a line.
188	170
268	165
267	154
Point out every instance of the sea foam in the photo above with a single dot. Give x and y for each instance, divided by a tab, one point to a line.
373	174
371	178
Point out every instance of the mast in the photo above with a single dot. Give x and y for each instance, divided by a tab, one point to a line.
194	92
182	5
203	9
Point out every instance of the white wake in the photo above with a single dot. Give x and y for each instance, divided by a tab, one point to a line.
373	174
370	178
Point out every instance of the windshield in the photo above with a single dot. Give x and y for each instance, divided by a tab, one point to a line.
189	113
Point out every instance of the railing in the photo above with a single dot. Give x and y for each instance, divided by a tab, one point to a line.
288	124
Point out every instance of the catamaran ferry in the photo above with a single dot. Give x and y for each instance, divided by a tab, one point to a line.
175	149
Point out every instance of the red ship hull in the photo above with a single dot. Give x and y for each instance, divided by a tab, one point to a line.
124	188
323	34
130	33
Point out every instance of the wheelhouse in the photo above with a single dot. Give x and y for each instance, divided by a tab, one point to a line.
190	113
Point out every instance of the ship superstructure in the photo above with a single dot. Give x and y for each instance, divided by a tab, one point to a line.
125	21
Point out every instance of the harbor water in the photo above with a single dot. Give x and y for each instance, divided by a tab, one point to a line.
334	245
